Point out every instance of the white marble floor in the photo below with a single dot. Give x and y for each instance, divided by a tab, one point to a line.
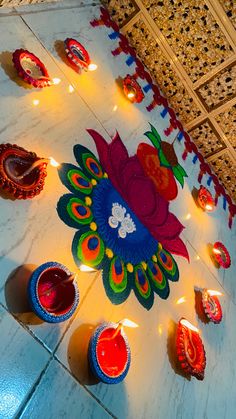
44	367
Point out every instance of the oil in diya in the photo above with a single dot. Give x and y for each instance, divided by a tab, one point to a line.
53	292
109	352
190	349
22	172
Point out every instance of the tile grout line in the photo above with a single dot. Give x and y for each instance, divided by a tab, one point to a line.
84	387
19	13
33	389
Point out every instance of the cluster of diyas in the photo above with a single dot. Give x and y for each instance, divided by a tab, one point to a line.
124	224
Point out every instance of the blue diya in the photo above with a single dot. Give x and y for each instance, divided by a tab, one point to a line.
53	292
109	353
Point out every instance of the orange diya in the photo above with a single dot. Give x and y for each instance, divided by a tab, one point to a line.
22	172
211	305
205	199
190	349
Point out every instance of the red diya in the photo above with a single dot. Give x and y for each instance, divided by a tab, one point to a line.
30	68
22	172
109	353
190	349
211	305
132	89
221	255
205	199
53	292
78	56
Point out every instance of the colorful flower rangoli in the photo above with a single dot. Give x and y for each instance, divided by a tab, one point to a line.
124	224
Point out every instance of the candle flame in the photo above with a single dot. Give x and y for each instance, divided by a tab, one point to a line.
181	300
53	162
217	251
71	88
85	268
209	207
92	67
128	323
56	80
187	324
213	292
130	95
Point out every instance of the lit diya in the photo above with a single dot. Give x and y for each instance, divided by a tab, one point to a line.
109	352
190	349
22	172
132	89
205	199
53	292
221	255
211	305
78	56
30	68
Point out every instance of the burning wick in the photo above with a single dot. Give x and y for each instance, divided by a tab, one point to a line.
56	80
212	292
85	268
92	67
217	252
36	164
187	324
209	207
120	325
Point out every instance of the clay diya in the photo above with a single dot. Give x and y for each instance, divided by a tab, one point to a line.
211	305
205	199
190	349
221	255
132	89
31	69
53	292
77	55
22	172
109	353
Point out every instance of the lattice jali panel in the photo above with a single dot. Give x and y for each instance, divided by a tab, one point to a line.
225	169
12	3
220	89
207	139
229	7
161	69
192	32
227	122
122	10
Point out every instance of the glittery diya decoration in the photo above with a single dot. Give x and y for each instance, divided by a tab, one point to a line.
205	199
190	349
77	55
53	292
124	225
221	255
31	69
109	353
123	47
132	89
211	305
22	173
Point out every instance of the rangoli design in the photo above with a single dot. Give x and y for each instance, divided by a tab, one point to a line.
124	224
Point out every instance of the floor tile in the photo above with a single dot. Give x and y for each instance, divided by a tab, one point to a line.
22	360
59	396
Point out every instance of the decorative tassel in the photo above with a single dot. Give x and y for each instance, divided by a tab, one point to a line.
224	203
97	22
180	136
185	153
117	51
147	88
209	180
216	198
151	106
114	35
164	112
200	176
130	60
195	159
169	130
